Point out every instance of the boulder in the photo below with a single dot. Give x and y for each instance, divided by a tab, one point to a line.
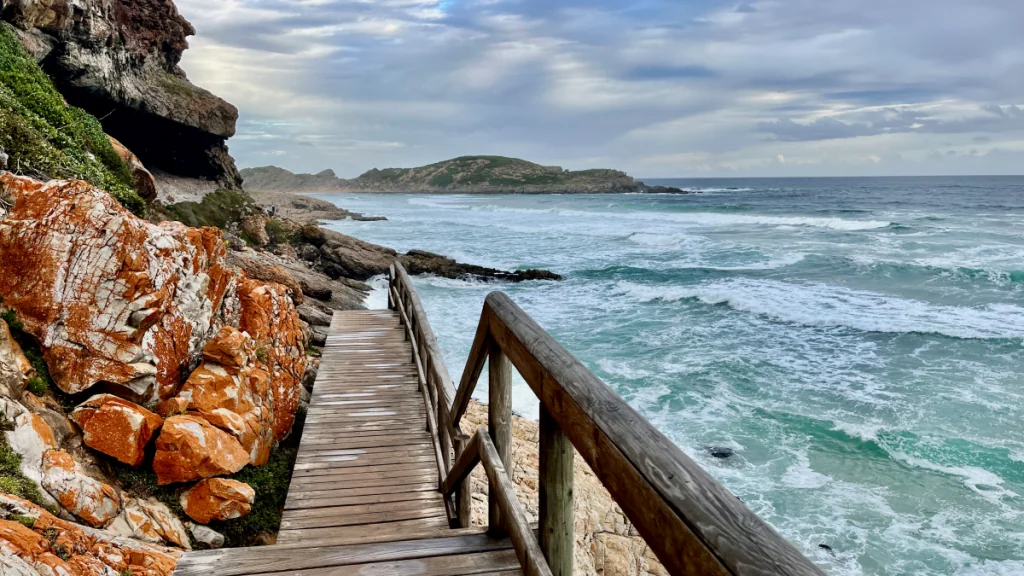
116	427
206	536
255	229
150	521
268	315
110	297
119	61
143	179
28	552
94	502
14	366
190	448
259	270
316	290
218	499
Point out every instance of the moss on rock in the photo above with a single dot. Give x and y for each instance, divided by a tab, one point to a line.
45	138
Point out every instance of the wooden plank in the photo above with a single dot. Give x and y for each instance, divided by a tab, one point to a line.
329	502
239	562
305	483
350	511
457	565
296	521
334	491
342	468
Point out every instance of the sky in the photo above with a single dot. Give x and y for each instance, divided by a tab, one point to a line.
659	88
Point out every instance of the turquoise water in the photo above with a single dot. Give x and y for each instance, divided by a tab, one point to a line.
859	343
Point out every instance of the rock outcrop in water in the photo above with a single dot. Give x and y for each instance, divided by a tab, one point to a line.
467	174
119	61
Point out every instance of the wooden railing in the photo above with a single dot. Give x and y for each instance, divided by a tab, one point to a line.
691	522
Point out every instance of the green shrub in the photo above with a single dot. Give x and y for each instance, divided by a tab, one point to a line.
37	386
219	209
26	521
46	138
277	233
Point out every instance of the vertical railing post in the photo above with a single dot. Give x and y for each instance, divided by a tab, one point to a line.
555	487
499	424
464	493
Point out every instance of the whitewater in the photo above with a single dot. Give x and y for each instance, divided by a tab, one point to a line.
858	343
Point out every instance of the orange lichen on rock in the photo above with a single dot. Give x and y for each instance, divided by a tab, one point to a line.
116	427
93	501
268	315
110	297
89	552
218	499
190	448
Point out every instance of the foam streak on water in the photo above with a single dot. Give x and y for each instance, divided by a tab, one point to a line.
859	343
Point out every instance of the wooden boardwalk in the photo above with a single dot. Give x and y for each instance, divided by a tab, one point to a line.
364	495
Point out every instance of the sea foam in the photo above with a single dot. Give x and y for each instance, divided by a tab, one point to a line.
822	305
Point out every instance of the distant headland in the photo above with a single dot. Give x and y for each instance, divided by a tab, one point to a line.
466	174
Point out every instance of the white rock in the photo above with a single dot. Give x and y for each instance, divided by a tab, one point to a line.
150	521
205	535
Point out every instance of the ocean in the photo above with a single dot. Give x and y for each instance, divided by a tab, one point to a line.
857	343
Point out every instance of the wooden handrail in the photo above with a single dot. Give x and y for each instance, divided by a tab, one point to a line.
431	373
480	449
694	525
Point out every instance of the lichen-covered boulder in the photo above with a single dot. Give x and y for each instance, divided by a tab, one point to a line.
205	536
110	297
231	390
93	501
116	427
88	550
190	448
268	315
150	521
218	499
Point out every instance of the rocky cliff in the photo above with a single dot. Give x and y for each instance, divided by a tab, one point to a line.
119	60
135	361
468	174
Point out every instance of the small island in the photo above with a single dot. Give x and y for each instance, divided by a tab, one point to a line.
463	175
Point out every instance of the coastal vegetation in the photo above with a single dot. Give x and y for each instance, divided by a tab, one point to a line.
44	137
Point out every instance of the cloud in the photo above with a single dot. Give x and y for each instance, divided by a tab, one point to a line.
353	84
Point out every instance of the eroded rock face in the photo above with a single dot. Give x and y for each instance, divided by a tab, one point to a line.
111	55
218	499
190	448
269	317
93	501
110	297
116	427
